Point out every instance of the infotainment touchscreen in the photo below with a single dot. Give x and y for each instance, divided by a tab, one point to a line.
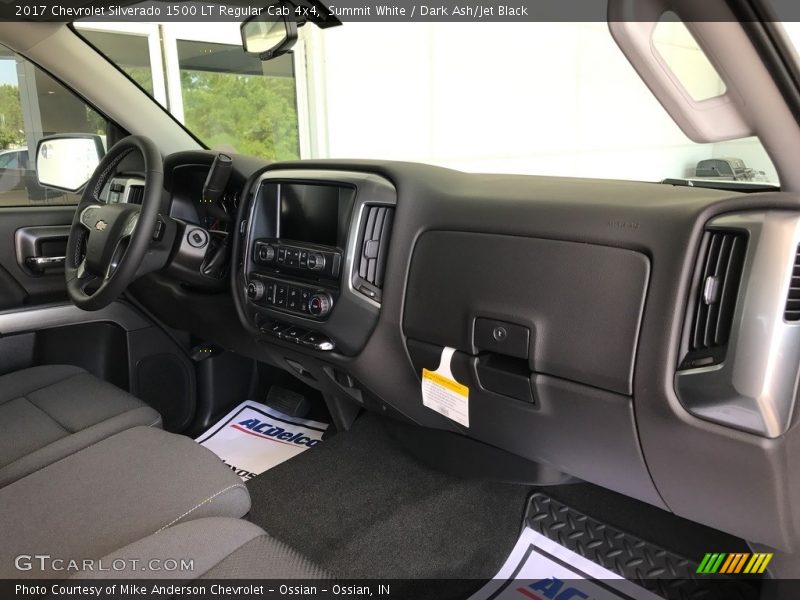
309	213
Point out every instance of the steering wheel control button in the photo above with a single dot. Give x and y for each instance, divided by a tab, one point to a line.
500	337
87	216
198	238
255	290
158	232
320	304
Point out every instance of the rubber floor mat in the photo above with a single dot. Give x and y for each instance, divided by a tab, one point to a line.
663	572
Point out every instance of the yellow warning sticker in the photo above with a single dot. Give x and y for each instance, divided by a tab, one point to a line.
445	395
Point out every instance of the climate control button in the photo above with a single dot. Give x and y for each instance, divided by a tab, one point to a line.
255	290
320	304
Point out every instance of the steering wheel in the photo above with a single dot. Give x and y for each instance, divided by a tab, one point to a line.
108	242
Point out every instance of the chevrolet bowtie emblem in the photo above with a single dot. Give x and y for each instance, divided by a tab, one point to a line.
101	225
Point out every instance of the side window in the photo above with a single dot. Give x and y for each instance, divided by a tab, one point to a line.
34	105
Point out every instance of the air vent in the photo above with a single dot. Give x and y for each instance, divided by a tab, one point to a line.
717	288
373	249
792	312
135	194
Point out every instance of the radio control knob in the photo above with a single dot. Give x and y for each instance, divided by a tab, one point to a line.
319	305
266	253
255	290
316	261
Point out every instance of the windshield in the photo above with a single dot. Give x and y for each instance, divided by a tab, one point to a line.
551	99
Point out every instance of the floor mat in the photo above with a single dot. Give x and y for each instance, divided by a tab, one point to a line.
254	438
665	573
540	568
359	506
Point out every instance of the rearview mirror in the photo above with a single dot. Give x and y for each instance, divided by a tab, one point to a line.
66	162
271	33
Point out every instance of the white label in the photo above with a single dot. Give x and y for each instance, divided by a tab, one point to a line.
442	393
539	568
253	438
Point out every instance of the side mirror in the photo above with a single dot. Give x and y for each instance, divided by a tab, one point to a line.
271	33
66	162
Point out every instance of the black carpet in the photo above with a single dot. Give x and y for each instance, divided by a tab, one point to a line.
360	507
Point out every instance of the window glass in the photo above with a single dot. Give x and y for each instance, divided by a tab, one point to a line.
9	159
130	52
549	99
228	99
258	115
34	105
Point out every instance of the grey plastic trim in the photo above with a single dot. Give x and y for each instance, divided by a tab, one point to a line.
60	315
754	389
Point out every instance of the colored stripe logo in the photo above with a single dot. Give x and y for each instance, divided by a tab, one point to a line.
734	563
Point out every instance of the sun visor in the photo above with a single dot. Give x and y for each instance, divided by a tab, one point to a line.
663	41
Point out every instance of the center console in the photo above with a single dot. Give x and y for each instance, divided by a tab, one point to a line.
314	254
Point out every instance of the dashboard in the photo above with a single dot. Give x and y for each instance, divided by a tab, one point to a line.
642	337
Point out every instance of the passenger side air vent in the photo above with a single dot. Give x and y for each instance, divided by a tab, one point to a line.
792	311
373	248
712	308
135	194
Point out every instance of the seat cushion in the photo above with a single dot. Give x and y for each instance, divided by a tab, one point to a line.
212	548
49	412
124	488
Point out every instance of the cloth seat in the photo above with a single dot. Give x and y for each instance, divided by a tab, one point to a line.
134	484
49	412
216	548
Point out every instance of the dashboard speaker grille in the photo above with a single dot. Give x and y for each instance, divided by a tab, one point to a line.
720	275
374	246
792	311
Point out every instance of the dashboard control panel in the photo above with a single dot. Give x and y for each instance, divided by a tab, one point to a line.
312	244
299	258
296	335
287	296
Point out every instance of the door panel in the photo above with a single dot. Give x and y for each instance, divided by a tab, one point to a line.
29	232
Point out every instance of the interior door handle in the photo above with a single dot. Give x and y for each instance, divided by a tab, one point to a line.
41	248
42	263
